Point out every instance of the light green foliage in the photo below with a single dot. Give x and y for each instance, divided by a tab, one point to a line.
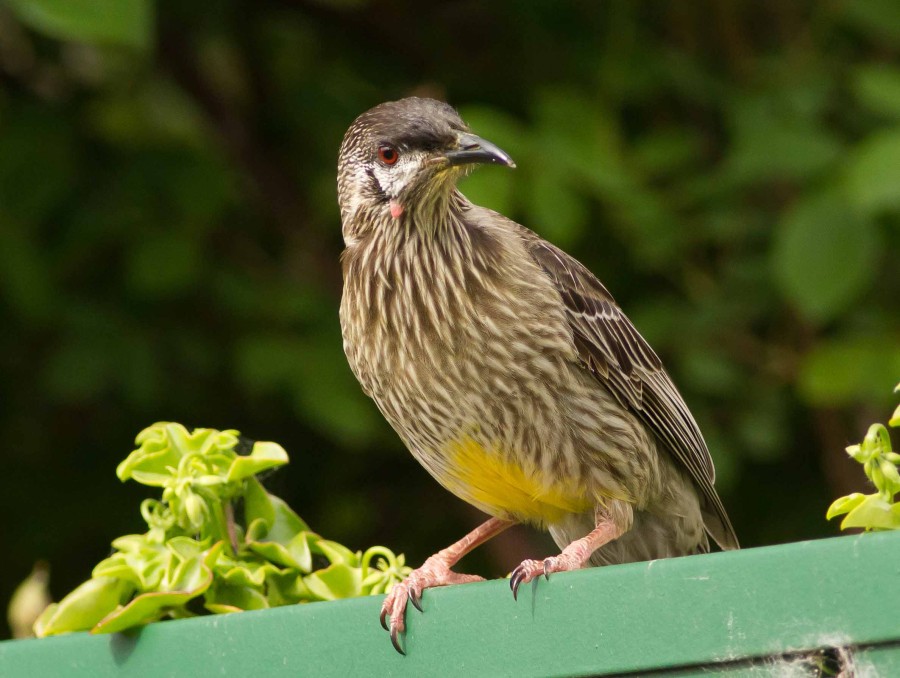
195	550
878	511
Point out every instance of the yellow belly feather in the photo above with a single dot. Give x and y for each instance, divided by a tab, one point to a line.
505	489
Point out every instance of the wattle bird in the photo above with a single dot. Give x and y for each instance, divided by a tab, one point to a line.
505	366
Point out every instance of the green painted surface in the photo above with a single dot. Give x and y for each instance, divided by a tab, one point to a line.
686	612
878	661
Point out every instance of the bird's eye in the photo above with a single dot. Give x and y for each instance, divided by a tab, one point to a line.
388	154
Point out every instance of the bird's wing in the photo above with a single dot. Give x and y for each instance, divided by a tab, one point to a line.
613	350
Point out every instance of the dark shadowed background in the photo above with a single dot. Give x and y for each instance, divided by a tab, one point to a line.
169	238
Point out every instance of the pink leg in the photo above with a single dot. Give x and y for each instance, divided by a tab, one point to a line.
573	557
435	572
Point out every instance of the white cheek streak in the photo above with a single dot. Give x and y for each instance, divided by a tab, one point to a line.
394	179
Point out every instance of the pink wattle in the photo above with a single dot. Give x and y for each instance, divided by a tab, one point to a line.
396	209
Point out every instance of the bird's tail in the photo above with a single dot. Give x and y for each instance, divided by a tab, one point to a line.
716	521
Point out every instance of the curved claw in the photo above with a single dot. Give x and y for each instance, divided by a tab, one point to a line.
415	598
382	618
515	581
547	564
395	641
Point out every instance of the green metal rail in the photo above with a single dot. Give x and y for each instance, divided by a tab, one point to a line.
729	613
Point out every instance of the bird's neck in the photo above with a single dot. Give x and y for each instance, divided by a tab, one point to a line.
439	216
432	222
421	258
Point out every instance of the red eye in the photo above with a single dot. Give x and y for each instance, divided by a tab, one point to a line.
388	154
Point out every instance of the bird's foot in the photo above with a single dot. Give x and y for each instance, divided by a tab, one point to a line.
434	572
569	559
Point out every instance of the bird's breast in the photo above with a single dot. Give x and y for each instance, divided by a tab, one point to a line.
473	369
418	315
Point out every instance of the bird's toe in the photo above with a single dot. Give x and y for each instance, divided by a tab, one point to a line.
524	573
393	613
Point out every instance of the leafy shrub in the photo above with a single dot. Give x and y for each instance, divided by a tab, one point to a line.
877	511
196	557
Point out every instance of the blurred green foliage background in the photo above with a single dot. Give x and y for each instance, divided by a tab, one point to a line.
169	237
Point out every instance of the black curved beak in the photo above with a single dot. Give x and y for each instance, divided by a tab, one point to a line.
474	149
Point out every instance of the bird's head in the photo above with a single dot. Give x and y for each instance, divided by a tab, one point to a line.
402	156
